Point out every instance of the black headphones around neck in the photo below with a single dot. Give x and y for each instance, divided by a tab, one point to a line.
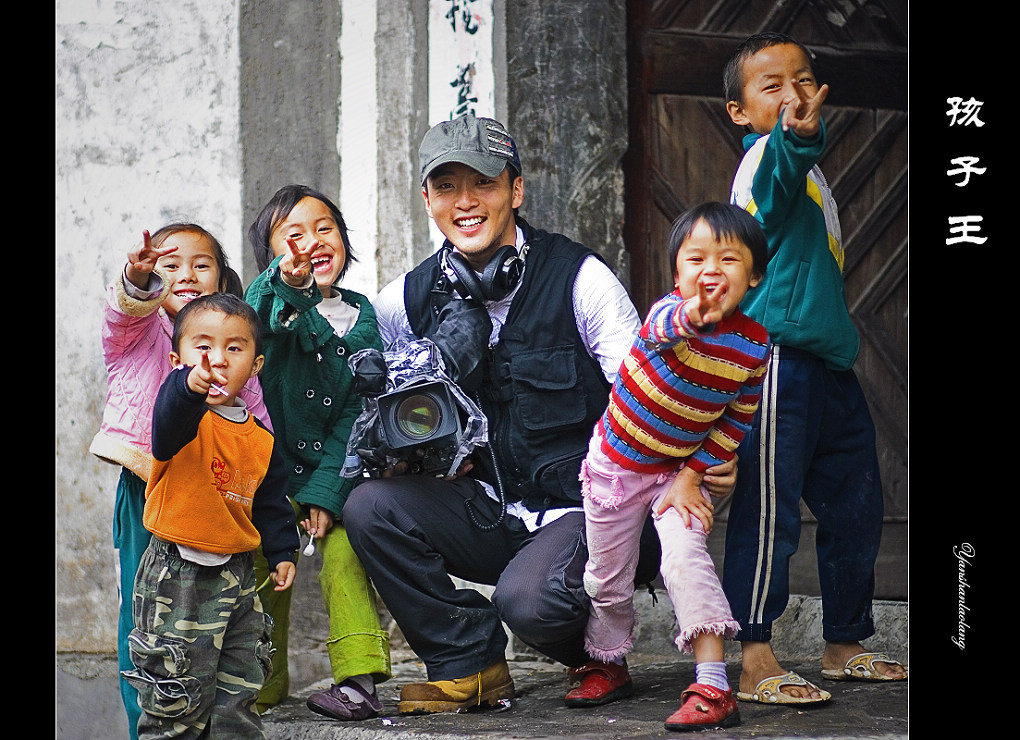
501	274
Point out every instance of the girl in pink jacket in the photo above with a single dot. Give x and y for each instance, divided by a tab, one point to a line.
173	266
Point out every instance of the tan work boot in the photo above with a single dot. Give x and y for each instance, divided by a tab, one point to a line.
488	687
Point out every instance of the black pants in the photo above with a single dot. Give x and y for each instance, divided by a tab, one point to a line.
413	532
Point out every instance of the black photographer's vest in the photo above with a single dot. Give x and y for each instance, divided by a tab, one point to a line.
544	391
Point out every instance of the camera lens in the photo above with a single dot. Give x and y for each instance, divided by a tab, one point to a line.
418	416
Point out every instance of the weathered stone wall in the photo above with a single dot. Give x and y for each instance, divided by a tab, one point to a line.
289	88
567	101
147	133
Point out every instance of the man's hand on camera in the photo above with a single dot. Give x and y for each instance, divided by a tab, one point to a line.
465	467
400	467
403	467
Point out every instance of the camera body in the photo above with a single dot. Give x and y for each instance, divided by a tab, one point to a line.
422	424
411	413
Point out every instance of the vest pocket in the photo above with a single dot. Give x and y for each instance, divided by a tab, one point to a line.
546	388
561	477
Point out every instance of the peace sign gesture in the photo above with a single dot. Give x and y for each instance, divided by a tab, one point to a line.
296	265
141	260
803	113
706	308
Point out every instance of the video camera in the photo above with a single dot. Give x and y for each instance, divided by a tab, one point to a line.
412	413
422	423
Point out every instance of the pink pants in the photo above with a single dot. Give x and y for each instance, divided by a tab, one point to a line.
616	504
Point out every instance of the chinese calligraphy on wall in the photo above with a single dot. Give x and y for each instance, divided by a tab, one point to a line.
461	77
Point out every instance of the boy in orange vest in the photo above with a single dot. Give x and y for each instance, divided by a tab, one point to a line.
201	643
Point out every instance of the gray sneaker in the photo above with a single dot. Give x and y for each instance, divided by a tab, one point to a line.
334	703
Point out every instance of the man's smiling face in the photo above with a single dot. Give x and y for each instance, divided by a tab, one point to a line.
474	211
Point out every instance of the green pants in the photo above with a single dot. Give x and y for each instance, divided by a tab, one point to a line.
277	605
357	644
200	646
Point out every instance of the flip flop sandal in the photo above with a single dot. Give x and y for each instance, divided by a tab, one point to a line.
861	668
768	691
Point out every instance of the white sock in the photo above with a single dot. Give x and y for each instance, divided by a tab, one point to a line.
365	682
712	674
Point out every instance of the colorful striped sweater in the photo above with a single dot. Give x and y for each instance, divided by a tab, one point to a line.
684	394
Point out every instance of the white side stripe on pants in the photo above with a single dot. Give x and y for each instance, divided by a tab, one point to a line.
767	491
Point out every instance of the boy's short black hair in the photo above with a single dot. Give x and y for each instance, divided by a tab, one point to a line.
725	220
733	73
225	303
277	209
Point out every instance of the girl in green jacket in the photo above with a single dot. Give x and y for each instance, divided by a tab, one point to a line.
312	327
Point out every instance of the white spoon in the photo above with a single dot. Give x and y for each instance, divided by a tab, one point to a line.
309	548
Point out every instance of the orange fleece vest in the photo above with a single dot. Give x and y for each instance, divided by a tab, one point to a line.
202	497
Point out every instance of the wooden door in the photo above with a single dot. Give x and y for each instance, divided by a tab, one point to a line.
684	150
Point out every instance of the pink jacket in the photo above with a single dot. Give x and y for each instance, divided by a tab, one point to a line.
136	347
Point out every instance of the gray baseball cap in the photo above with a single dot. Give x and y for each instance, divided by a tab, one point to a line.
481	143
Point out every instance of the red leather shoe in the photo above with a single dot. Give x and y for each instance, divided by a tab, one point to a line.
704	707
596	683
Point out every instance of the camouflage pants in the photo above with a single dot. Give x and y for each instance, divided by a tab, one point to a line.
200	646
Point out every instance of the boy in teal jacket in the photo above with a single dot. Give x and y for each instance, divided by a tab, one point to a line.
813	437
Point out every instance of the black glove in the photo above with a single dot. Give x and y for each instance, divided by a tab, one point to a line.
369	374
463	340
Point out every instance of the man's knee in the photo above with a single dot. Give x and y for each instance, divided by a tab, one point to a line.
368	498
541	614
354	507
363	510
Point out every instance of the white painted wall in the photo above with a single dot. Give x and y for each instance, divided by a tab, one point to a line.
147	132
461	76
358	140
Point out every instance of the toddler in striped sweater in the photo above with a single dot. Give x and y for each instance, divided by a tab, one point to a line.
682	401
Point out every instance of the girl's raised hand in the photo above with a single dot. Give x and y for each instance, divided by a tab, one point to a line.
296	266
142	260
